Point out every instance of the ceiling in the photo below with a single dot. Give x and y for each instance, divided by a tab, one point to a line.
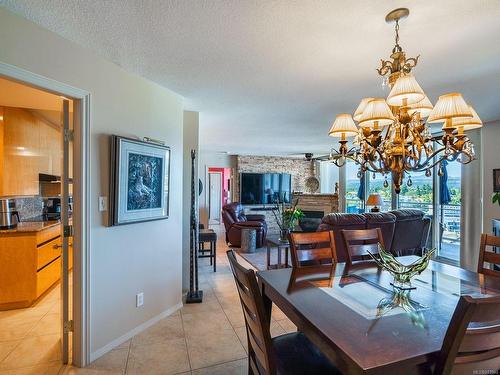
269	76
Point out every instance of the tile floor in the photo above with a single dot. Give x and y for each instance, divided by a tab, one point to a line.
206	338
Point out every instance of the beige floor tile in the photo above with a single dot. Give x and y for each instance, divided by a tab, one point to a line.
33	351
19	314
113	362
239	367
235	316
202	324
125	345
241	332
163	359
14	328
166	329
277	314
86	371
207	306
214	348
45	369
6	347
287	325
50	324
277	329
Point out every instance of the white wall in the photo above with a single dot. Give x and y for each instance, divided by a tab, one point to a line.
190	130
211	159
127	259
491	160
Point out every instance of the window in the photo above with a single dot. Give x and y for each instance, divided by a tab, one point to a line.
449	215
353	203
419	194
376	185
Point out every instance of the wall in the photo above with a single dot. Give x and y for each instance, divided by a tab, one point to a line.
131	258
491	160
300	169
207	160
190	138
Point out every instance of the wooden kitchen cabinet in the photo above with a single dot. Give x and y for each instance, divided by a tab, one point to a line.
29	145
30	263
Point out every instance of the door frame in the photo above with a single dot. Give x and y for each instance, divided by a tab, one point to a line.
81	212
221	175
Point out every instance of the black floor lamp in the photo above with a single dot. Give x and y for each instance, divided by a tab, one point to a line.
194	295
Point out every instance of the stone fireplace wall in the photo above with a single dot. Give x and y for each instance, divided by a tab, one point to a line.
300	169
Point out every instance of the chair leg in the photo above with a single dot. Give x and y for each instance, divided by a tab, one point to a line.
211	251
215	256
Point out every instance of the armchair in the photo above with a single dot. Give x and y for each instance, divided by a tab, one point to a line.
234	218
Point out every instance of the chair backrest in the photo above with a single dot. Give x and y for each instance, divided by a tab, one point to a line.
488	256
411	232
256	320
472	341
312	248
359	241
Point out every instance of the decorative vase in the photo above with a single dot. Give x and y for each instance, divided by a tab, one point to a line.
284	235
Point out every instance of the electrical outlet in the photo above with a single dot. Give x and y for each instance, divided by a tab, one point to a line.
139	299
103	204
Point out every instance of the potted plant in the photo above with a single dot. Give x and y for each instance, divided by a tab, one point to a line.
287	218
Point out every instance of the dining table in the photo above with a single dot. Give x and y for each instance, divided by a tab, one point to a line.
364	325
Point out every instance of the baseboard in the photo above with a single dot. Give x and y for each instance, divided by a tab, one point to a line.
120	340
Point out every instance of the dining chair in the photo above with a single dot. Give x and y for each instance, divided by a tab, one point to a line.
312	248
291	353
359	241
472	341
488	256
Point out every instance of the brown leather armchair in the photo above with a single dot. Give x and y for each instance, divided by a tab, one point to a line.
234	218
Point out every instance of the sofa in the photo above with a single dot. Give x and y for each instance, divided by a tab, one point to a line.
405	232
234	218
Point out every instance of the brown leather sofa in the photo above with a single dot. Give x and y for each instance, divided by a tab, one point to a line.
234	218
405	232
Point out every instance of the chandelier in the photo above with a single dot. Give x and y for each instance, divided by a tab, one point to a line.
392	137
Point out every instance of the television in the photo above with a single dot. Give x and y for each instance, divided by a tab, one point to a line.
265	188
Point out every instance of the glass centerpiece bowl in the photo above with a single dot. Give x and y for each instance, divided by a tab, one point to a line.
402	273
287	218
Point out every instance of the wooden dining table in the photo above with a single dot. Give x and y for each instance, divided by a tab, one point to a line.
364	325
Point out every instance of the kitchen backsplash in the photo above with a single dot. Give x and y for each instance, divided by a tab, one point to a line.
29	207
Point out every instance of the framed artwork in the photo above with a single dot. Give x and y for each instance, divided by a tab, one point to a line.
139	181
496	180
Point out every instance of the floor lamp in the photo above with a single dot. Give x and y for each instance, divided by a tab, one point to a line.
194	295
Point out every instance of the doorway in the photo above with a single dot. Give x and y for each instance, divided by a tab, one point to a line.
52	251
214	197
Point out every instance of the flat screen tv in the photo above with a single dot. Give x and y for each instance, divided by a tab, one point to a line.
265	188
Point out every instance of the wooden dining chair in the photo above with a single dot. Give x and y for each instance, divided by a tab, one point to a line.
291	353
472	341
488	256
312	248
359	241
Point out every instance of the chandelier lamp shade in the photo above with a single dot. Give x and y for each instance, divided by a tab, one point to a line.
392	137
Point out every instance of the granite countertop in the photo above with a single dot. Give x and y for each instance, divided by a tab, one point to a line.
26	227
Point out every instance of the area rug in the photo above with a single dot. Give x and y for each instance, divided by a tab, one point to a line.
259	258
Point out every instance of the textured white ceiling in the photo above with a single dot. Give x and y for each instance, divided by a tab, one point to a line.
269	76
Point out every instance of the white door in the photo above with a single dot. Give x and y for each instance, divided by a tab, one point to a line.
66	234
214	197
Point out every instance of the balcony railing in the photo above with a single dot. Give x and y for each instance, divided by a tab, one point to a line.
449	218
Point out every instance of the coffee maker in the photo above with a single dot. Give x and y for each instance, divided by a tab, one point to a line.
9	216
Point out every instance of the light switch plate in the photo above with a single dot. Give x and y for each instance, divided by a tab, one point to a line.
139	299
103	204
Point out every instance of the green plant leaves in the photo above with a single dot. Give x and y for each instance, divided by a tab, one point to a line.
496	198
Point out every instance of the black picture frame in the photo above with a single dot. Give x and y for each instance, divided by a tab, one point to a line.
496	180
139	181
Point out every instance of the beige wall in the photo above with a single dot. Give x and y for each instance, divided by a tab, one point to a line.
126	259
491	160
191	128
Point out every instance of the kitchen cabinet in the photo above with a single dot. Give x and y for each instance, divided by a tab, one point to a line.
30	263
29	145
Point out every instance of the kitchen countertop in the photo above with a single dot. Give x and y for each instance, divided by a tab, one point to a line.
26	227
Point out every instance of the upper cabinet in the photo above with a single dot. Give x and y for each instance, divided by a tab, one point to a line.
29	144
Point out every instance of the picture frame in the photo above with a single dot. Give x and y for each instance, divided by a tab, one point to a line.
496	180
139	181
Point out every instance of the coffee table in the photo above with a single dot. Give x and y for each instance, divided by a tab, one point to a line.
274	242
